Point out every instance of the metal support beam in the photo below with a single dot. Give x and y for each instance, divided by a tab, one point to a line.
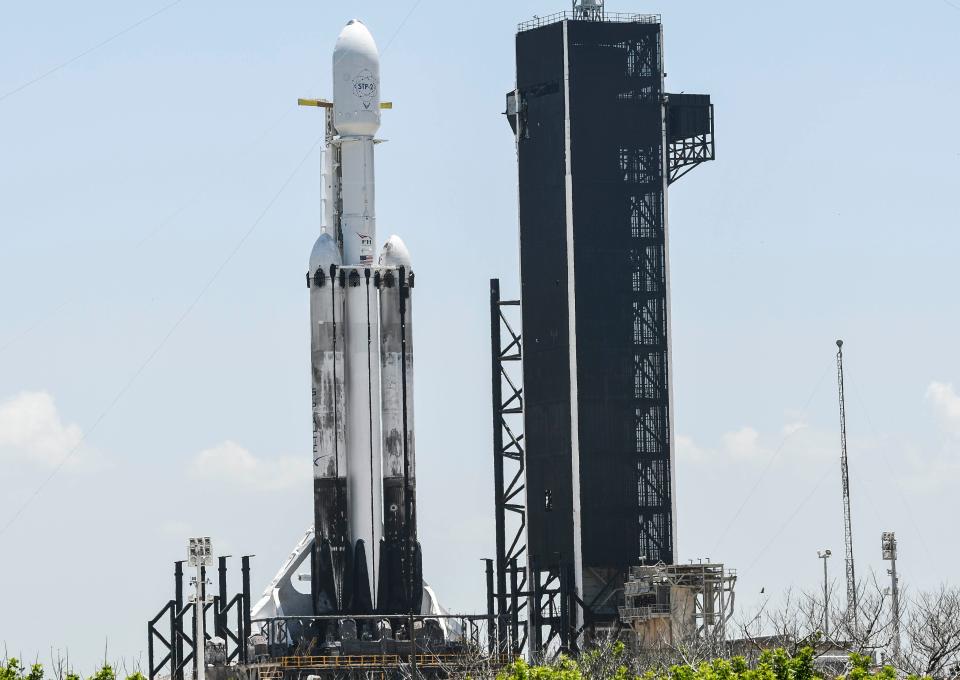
543	590
491	629
245	572
517	638
154	635
168	629
534	613
497	400
220	616
508	466
565	637
176	625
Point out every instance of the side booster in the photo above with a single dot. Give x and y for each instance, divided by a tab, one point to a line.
366	558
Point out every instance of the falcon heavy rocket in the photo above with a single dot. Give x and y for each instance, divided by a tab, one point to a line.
366	558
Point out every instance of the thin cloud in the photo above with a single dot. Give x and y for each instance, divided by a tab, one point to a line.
31	429
797	443
792	428
231	464
688	450
176	528
934	468
744	444
946	405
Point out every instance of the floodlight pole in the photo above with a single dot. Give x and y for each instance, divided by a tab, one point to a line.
200	554
895	603
889	546
200	637
825	555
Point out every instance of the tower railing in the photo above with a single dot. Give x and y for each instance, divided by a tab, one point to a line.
612	17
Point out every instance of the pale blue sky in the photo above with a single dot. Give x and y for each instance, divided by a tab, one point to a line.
830	212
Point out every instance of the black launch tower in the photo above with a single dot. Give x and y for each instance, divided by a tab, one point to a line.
598	143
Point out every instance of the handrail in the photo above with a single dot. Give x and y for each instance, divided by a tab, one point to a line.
374	660
613	17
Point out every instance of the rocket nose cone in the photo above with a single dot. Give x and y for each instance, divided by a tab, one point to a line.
356	82
325	253
395	254
355	37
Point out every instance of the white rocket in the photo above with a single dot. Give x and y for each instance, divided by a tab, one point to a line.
366	558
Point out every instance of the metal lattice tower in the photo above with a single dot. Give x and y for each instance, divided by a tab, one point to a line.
598	143
508	470
845	474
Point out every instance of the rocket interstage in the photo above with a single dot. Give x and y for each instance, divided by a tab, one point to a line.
366	556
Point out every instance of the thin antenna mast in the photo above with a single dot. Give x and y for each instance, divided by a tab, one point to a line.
847	524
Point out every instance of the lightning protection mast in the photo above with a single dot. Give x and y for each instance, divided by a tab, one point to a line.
845	474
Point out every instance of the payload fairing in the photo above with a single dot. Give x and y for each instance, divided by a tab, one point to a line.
366	557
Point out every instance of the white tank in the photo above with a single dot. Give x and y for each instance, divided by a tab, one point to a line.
364	486
329	417
358	216
356	82
356	117
326	354
394	362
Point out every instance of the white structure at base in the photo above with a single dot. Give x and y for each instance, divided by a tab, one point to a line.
282	598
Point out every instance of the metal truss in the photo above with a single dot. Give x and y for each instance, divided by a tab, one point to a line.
643	170
552	615
696	599
651	407
534	601
174	626
509	472
687	151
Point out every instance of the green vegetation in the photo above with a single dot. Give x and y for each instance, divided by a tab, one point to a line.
606	662
12	669
611	663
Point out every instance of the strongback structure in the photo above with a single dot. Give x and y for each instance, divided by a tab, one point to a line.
598	143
